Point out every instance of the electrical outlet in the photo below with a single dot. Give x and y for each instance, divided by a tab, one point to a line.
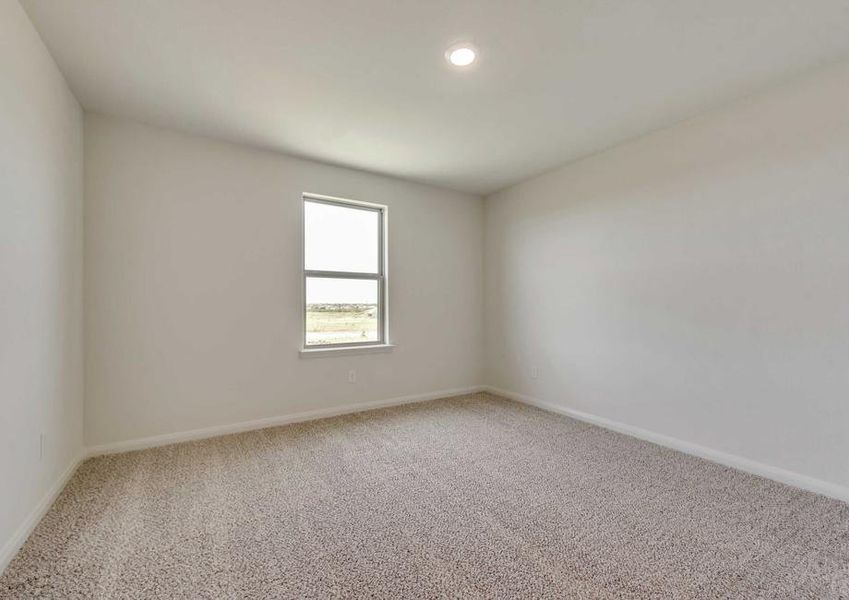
352	376
534	372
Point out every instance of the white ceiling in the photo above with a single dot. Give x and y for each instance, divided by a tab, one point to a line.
363	83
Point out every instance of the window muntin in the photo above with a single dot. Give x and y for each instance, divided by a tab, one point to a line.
344	278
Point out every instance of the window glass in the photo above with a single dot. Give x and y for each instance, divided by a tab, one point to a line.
341	311
340	238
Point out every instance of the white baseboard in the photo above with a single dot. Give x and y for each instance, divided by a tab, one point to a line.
310	415
798	480
11	547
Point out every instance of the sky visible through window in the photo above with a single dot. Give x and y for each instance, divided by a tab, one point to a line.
341	239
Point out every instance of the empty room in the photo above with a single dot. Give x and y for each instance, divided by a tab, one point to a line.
424	299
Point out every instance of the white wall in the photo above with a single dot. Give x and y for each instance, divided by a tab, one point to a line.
193	283
693	283
41	385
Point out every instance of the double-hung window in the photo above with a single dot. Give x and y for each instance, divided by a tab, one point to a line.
344	273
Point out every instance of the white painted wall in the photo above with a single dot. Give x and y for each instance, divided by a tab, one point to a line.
193	285
693	283
41	178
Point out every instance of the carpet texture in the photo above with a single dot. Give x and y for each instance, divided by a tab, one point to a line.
470	497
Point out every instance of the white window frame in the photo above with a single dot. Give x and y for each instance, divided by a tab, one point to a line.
381	278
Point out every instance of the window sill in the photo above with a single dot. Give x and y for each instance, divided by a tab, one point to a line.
345	350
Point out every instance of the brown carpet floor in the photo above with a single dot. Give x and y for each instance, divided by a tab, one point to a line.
472	497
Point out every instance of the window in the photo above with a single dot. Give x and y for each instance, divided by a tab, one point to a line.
344	273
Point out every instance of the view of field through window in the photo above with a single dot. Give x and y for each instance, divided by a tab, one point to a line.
340	240
341	323
341	311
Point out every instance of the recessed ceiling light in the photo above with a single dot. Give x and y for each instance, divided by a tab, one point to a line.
461	55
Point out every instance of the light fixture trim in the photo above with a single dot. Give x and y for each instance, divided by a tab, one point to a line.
461	55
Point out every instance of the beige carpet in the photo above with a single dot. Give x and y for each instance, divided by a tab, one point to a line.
474	497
